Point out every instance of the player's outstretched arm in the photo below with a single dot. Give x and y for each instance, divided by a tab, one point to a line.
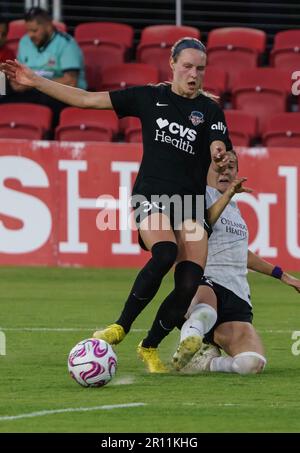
76	97
218	207
257	264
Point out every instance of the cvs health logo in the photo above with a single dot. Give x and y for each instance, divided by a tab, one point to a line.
175	129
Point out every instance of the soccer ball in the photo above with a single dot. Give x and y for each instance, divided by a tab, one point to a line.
92	363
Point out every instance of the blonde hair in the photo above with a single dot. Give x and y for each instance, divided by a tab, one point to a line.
210	95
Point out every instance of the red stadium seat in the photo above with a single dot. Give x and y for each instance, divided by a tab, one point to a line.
234	49
132	130
17	29
156	42
283	130
242	127
127	75
86	125
103	44
24	121
286	51
262	92
215	80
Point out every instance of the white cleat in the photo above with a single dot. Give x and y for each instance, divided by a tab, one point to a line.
201	360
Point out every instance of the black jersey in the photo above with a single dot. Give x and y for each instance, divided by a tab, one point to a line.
177	133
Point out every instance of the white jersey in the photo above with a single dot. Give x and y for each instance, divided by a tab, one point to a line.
228	249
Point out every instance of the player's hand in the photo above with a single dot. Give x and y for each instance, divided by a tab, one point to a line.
291	281
219	158
19	73
237	187
17	87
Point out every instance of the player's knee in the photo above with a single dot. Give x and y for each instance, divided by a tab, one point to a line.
164	254
204	313
248	363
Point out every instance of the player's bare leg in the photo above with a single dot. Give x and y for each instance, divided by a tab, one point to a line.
243	346
235	337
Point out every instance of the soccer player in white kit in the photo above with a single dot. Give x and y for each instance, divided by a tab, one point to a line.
221	311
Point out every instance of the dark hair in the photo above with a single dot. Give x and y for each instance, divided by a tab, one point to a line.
186	43
38	14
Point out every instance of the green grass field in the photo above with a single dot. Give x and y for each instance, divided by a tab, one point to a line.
45	312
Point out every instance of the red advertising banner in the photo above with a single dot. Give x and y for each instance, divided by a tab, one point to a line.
56	199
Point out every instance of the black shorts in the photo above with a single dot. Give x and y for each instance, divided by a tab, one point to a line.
180	209
230	307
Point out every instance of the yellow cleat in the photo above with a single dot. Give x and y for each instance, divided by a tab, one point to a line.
151	358
113	334
186	350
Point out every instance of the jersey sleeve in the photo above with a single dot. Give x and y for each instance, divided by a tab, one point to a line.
128	102
71	57
218	129
211	196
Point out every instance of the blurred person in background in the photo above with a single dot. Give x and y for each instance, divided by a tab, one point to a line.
51	54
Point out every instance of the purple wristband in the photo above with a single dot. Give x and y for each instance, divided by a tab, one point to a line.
277	272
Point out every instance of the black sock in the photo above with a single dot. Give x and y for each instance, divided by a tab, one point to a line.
171	312
148	282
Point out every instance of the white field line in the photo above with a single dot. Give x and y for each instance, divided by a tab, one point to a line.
92	329
69	409
121	406
58	329
246	405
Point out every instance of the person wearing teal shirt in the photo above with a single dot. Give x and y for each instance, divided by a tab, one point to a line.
50	53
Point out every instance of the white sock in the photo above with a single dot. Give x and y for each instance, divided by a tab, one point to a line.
222	364
243	363
201	320
248	363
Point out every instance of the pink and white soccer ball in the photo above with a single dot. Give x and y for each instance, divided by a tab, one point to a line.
92	363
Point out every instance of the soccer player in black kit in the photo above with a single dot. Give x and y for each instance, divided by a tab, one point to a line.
184	130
